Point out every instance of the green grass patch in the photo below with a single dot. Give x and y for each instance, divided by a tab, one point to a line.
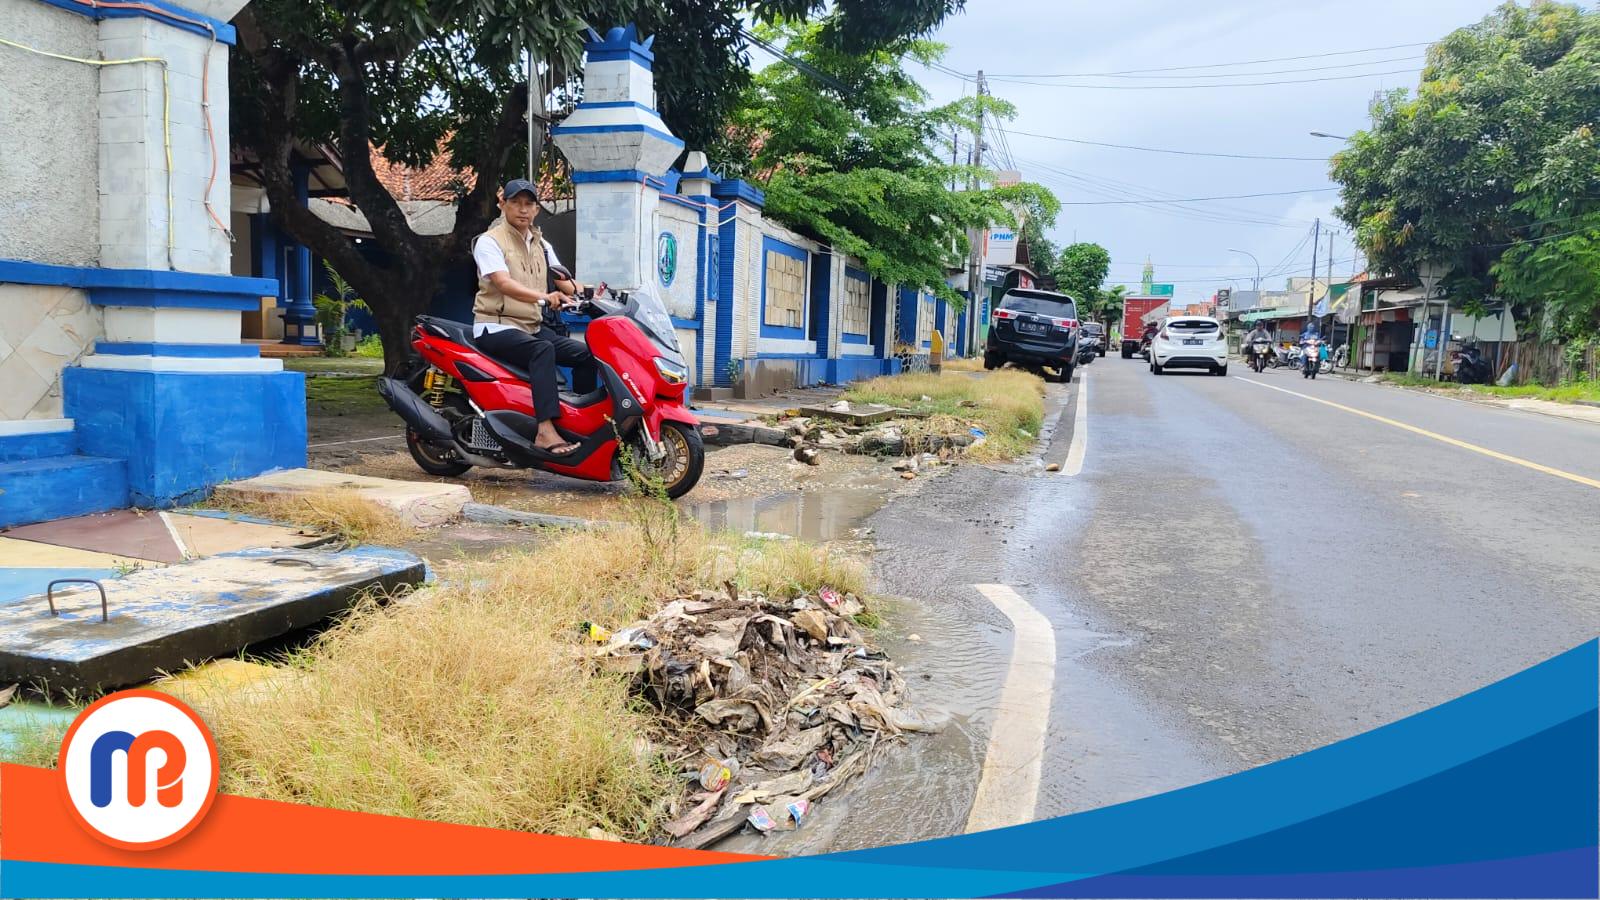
343	396
1007	404
1570	392
353	365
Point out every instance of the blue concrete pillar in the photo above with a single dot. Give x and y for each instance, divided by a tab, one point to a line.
300	316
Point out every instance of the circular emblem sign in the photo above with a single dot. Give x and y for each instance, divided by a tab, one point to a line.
667	257
139	769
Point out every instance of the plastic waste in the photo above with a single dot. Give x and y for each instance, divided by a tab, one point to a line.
798	809
761	819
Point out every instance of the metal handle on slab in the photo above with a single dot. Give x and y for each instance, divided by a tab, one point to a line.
50	595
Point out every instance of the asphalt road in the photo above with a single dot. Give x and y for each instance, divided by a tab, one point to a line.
1239	574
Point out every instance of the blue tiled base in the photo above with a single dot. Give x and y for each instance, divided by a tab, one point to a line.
848	369
54	487
184	432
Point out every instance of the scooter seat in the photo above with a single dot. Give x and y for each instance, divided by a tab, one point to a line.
460	333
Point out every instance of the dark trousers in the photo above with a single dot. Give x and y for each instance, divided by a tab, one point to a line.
572	353
521	349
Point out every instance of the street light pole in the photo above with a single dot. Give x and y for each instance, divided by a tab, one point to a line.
1253	259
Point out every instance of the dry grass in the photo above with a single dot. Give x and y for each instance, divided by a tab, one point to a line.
467	703
1004	403
345	513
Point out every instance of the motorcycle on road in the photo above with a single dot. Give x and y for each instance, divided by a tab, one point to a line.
463	407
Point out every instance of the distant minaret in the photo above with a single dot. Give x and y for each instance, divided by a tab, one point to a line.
1148	283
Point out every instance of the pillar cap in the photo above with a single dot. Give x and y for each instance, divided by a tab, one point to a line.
620	43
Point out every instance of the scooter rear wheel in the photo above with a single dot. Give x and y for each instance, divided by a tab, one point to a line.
429	459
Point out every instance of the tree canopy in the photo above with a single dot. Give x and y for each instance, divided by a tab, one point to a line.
1080	270
1490	171
409	77
845	150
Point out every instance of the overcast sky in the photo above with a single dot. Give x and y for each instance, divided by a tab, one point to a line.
1027	39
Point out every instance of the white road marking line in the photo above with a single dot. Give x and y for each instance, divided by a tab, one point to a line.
1080	431
387	437
1494	454
1008	788
177	539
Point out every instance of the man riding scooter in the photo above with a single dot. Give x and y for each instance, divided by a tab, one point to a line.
509	312
1258	346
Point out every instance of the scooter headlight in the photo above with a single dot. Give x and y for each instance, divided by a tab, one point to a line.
671	372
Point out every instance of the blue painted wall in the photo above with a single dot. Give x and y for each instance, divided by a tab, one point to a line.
183	432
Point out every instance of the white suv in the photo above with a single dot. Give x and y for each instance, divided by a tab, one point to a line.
1189	342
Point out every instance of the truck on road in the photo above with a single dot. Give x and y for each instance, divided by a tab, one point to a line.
1134	310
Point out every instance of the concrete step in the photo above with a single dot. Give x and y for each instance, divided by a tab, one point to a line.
162	620
38	445
421	504
34	490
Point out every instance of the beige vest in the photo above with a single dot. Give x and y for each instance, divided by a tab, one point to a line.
526	266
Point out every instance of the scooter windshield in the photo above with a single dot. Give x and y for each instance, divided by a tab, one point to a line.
646	309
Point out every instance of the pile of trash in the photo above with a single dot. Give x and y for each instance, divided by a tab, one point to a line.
903	434
776	703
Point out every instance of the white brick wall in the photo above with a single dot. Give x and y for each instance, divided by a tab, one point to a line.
137	119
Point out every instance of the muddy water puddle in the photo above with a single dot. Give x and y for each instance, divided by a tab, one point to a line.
749	487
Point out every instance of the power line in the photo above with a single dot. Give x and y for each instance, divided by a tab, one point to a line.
1202	199
800	64
1356	65
1247	62
1110	187
1191	87
1051	137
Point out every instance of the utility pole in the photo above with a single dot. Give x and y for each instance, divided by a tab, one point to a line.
1311	289
1330	292
535	109
975	253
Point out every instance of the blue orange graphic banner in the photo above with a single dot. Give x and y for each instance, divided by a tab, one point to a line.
1495	794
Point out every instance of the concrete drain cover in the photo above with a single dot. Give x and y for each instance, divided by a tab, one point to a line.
163	619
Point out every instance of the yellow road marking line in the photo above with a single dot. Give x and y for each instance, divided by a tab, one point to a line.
1008	788
1495	454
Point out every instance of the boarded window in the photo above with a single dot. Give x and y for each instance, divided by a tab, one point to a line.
786	290
925	317
857	306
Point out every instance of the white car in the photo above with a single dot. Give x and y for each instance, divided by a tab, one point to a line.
1189	342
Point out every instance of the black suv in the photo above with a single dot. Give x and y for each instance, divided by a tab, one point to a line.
1096	332
1034	329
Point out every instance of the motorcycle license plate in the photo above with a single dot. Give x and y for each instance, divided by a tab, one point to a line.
1193	342
1032	327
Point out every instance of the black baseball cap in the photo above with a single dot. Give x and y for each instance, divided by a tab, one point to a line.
516	186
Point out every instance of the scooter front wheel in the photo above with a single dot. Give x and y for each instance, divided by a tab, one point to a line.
679	469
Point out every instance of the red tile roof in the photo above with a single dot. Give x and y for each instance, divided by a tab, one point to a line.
439	180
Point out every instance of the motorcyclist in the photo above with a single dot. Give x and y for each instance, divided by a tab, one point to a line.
1258	340
508	311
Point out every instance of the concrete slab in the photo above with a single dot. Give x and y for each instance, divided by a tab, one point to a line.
165	619
19	582
209	535
420	504
140	534
857	414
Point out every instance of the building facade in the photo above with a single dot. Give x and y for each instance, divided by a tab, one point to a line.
123	378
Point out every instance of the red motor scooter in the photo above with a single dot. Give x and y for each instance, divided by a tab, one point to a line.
464	408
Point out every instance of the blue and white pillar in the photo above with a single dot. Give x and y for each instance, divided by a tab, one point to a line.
619	150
